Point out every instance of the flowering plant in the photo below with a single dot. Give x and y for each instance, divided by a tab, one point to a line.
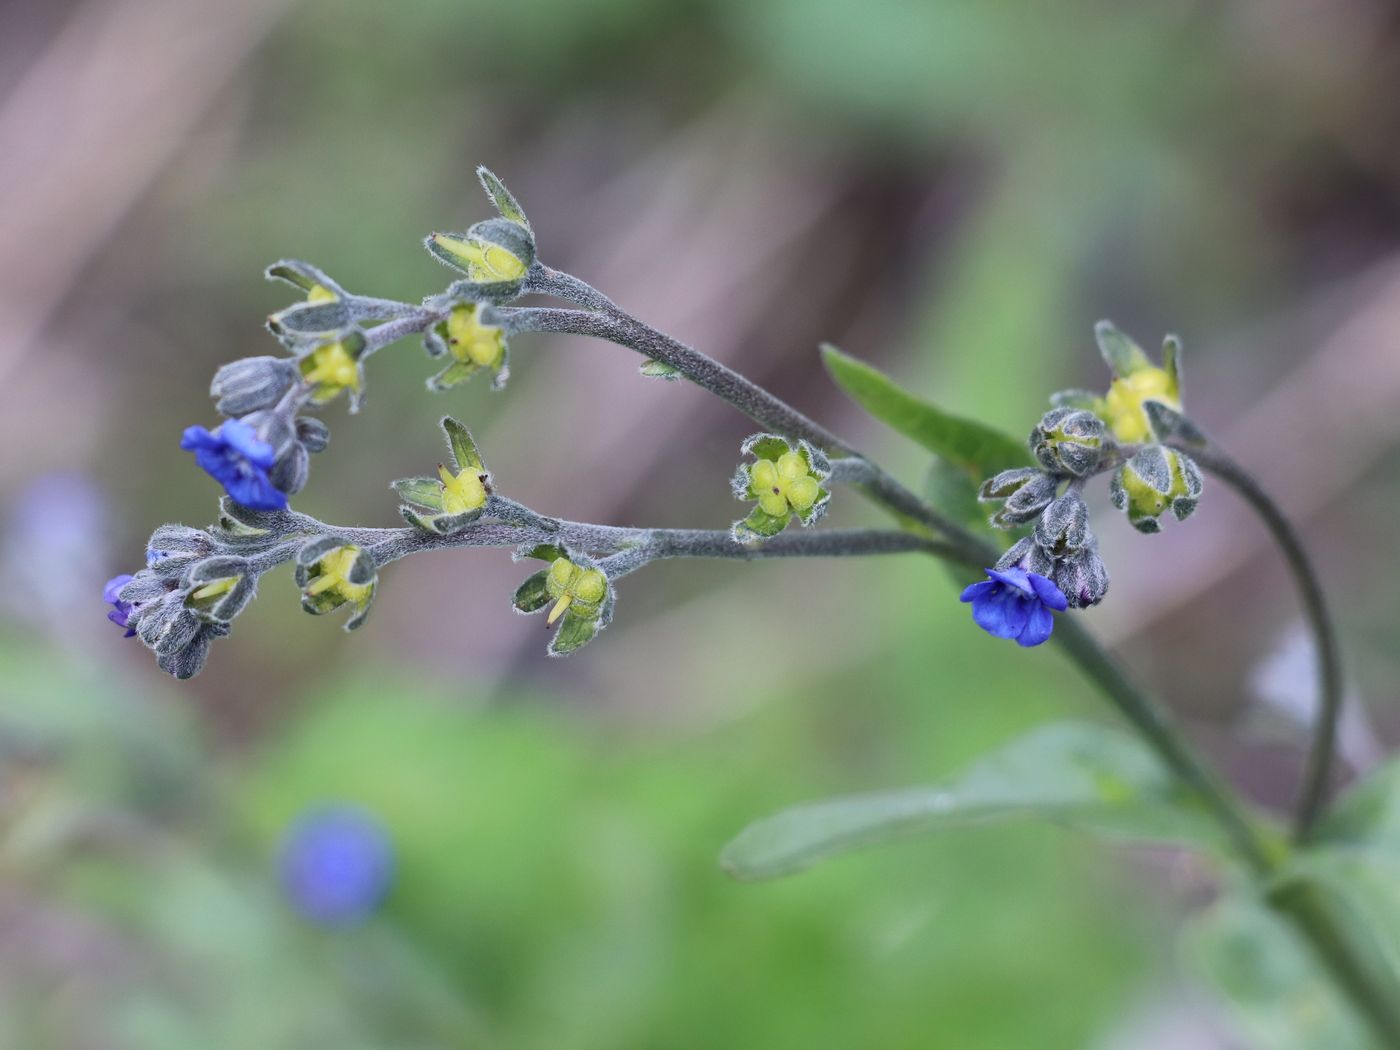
1027	587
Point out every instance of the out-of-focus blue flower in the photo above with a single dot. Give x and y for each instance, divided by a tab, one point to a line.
120	611
336	865
1015	604
239	460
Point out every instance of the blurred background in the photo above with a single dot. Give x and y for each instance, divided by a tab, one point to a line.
955	191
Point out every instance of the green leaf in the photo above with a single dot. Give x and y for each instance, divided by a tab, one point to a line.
1276	994
953	491
1079	774
1368	815
464	453
974	447
1119	351
425	492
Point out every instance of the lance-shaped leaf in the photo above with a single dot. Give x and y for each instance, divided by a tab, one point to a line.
1077	774
978	449
1275	991
424	492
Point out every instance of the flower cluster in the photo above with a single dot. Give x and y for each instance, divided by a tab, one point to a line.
1057	565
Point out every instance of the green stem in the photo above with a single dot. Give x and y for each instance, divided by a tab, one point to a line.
1372	994
1318	771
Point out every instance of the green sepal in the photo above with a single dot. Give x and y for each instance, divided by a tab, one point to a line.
758	526
1078	398
817	510
769	447
439	524
1171	363
977	448
1121	354
654	369
301	275
465	455
455	373
357	619
425	492
574	633
433	342
304	319
548	552
532	595
502	198
1167	424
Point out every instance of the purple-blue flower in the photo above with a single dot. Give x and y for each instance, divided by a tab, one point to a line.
120	611
239	460
1015	604
336	865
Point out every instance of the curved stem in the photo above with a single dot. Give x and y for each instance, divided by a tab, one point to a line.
1318	772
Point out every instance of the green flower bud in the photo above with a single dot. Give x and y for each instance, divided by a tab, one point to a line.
1069	441
1155	480
472	346
331	574
1027	493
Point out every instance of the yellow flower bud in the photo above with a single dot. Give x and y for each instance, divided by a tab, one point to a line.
331	369
472	342
1123	403
461	492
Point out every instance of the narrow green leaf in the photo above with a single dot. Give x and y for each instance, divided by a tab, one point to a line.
953	491
1276	994
464	453
978	449
1078	774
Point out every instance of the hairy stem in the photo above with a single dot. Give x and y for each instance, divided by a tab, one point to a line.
1318	771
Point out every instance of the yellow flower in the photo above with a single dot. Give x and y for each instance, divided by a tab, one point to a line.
331	368
1126	394
784	486
461	492
472	342
481	260
573	586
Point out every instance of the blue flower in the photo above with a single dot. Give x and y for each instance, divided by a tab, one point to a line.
336	865
1015	604
120	611
239	460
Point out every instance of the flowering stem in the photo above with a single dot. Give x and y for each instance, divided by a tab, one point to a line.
603	319
1318	771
